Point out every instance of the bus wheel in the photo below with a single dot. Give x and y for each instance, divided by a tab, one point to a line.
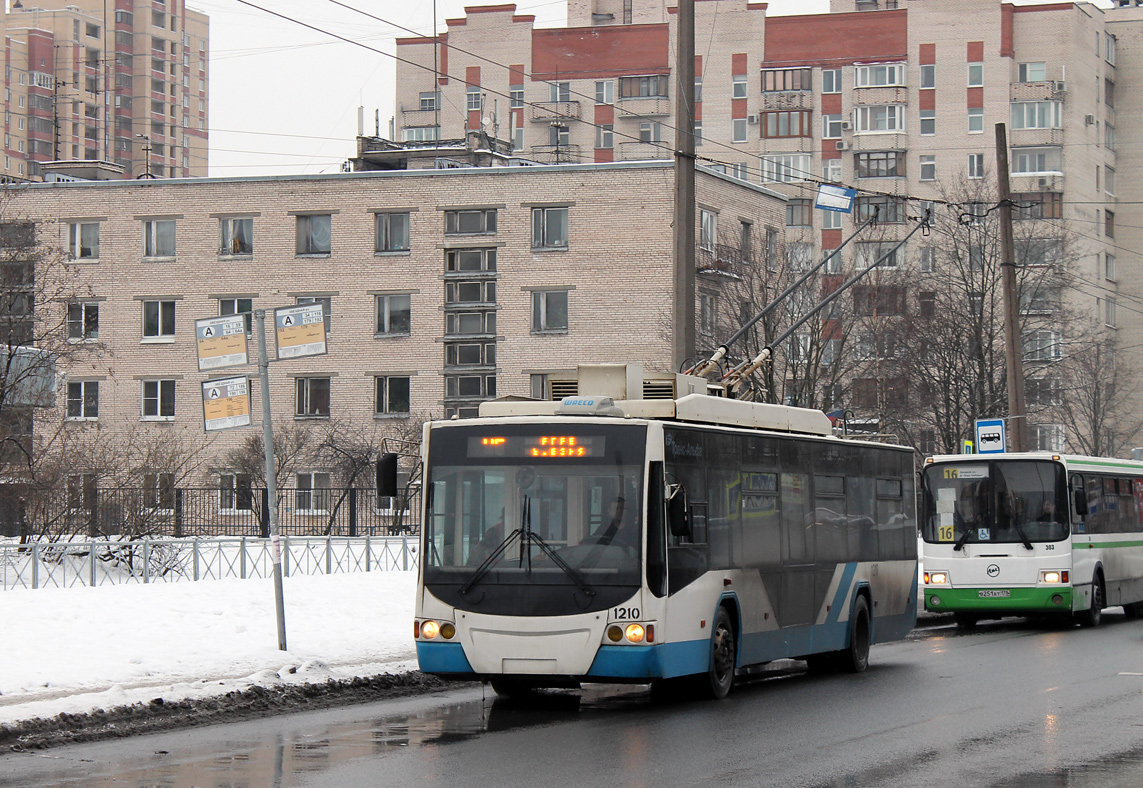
965	620
723	655
855	659
1094	614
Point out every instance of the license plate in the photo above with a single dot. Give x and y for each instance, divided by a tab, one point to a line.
999	593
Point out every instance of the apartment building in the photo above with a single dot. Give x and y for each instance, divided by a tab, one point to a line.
440	289
124	82
896	98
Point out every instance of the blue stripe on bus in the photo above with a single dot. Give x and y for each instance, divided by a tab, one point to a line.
442	658
843	587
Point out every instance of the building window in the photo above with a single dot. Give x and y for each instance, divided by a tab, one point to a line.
1108	136
312	397
650	132
738	86
976	75
326	308
786	124
236	236
868	253
976	165
465	260
1032	161
1047	437
82	400
831	127
470	292
470	222
1043	391
887	210
1032	72
516	96
831	170
698	89
975	120
1109	42
928	168
876	118
928	76
786	169
1036	115
1109	93
1109	311
83	320
159	492
422	133
83	240
781	79
391	232
159	238
799	213
927	303
238	306
158	400
738	130
391	395
708	313
430	101
314	233
831	80
880	164
1109	224
1039	300
1043	345
1039	205
605	136
831	220
549	228
799	256
604	92
474	99
235	492
541	386
312	493
549	311
468	323
643	87
928	260
394	315
878	300
1109	267
158	319
470	386
879	75
708	229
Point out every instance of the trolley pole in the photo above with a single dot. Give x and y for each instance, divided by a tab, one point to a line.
271	475
1017	412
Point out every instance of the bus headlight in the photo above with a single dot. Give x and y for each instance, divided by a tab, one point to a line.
1053	576
430	629
614	633
634	633
629	634
936	578
448	631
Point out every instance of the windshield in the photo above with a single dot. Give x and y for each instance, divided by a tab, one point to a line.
975	501
534	519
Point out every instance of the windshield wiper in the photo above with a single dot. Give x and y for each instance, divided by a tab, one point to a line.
963	538
480	571
531	536
1023	536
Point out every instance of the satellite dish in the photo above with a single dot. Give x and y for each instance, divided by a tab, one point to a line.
488	119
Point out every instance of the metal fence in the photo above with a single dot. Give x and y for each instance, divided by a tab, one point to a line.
96	562
187	511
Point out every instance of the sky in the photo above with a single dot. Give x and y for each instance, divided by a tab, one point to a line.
78	649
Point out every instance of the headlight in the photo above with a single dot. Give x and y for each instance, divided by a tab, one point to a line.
936	578
1053	576
430	629
634	633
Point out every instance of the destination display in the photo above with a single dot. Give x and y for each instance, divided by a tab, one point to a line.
226	403
563	446
300	330
221	342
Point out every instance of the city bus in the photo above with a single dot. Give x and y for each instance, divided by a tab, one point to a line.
1032	534
606	539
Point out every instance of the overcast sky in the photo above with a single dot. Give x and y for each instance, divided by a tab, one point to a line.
284	97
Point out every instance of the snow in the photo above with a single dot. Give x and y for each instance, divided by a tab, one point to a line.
79	649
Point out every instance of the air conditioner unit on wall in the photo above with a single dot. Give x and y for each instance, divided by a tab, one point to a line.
1059	86
846	125
1088	120
841	145
752	119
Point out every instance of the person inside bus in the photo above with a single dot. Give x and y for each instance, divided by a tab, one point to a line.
619	527
488	543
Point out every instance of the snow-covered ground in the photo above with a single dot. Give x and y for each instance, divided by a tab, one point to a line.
79	649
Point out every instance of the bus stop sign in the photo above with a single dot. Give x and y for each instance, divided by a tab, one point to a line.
990	436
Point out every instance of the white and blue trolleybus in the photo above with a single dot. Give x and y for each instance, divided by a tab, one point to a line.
1032	534
607	539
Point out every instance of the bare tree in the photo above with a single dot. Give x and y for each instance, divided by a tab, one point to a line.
1092	393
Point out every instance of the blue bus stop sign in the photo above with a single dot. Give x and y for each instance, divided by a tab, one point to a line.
990	436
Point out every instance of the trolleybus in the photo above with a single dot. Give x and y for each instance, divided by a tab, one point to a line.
1032	534
608	539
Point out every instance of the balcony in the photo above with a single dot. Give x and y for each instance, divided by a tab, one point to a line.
788	99
555	110
635	108
642	151
1048	90
556	154
418	117
894	95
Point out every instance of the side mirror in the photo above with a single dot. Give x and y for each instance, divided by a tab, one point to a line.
1079	496
678	512
387	476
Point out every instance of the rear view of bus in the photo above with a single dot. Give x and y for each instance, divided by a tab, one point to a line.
1003	537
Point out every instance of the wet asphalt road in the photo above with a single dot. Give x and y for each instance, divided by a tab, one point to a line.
1011	705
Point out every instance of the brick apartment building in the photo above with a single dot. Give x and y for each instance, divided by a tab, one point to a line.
895	97
442	288
123	82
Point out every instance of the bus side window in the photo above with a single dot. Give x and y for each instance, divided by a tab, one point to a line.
1079	501
656	530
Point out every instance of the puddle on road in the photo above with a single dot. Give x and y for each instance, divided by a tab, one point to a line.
1120	771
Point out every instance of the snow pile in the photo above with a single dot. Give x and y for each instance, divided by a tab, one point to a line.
78	649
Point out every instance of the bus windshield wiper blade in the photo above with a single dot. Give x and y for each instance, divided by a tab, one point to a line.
562	564
1023	536
480	571
963	538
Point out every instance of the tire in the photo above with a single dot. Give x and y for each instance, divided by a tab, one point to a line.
1094	614
511	688
723	656
855	659
965	621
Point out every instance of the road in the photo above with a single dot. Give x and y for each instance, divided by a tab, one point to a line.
1010	705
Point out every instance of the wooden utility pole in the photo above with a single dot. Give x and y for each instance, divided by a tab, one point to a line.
1013	347
683	344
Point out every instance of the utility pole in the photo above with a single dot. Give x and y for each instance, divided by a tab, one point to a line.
1013	350
147	153
683	343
